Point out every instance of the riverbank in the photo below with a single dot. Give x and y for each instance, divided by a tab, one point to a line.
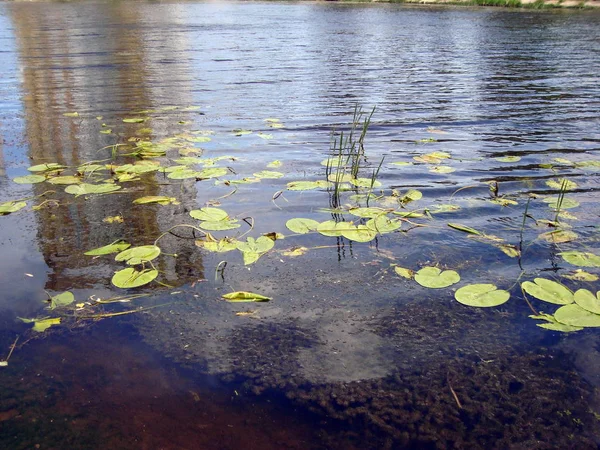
534	4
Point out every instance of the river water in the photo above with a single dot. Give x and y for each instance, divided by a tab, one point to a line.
484	112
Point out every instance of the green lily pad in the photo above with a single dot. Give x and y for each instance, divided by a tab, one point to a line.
43	324
331	228
243	296
131	278
404	272
581	275
274	164
383	224
563	183
308	185
444	208
442	169
219	225
503	201
583	259
508	159
401	163
220	246
548	291
66	179
183	174
45	167
411	196
301	226
358	233
335	161
365	182
29	179
435	278
11	207
209	213
268	174
367	212
160	199
134	120
64	299
481	295
559	236
587	300
115	247
138	255
576	316
260	245
86	189
567	203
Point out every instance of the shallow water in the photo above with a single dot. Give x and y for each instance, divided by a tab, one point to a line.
347	354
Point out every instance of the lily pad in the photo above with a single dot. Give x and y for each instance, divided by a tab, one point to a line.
563	184
138	255
115	247
567	203
442	169
301	226
435	278
404	273
358	233
219	225
559	236
274	164
213	172
481	295
183	174
63	299
587	300
243	296
131	278
134	120
577	316
86	189
209	213
11	207
268	174
581	275
508	158
466	229
220	246
308	185
160	199
383	224
45	167
29	179
331	228
548	291
253	249
583	259
365	182
43	324
367	212
66	179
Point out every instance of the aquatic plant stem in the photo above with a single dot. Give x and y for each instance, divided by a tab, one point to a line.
176	226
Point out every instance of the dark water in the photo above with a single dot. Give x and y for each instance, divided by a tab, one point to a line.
347	354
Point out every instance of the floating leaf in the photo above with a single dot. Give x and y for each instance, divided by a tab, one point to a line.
209	213
265	136
45	167
383	224
358	233
340	177
64	299
213	172
67	179
138	255
301	226
435	278
562	184
29	179
131	278
444	208
411	196
160	199
274	164
260	245
113	219
442	169
466	229
43	324
219	225
581	275
567	203
307	185
134	120
86	188
559	236
220	246
583	259
297	251
577	316
548	291
509	250
268	174
115	247
508	159
559	327
503	201
365	182
336	161
241	132
367	212
402	163
242	296
11	207
405	273
587	300
183	174
331	228
481	295
71	114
